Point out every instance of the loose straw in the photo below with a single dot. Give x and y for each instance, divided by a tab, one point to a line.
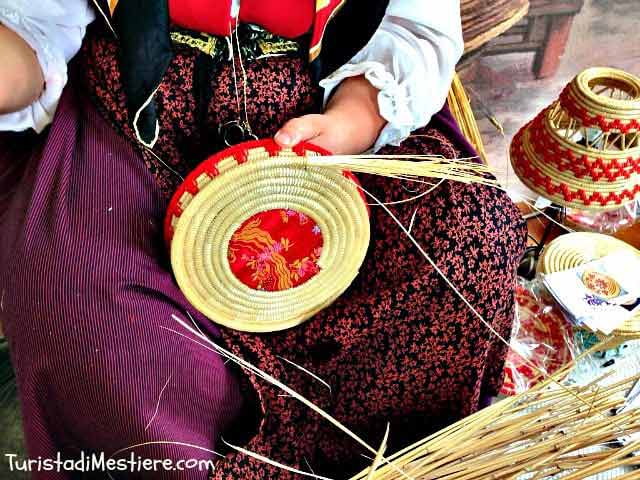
411	168
530	364
282	466
541	432
378	459
261	374
408	166
309	404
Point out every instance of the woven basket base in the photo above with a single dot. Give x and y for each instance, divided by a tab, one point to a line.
199	248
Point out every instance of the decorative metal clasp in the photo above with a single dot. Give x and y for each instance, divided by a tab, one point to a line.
234	132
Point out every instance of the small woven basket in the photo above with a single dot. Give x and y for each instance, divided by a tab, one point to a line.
584	150
484	20
227	191
575	249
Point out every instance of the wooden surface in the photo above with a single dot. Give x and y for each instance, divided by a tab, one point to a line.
545	31
549	54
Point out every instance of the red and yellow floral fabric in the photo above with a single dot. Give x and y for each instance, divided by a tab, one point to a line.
276	250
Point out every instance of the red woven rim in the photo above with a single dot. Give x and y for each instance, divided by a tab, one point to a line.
239	152
541	182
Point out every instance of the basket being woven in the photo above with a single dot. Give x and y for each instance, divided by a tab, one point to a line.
575	249
231	210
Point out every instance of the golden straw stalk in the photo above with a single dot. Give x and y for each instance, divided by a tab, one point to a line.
542	433
407	166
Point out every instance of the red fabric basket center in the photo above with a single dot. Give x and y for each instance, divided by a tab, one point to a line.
276	250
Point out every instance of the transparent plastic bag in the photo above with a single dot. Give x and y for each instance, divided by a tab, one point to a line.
541	336
608	222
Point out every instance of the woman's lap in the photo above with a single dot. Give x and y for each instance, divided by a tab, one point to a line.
399	346
87	302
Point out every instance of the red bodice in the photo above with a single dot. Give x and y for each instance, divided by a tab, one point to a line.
285	18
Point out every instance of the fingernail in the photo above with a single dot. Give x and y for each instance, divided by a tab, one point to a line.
284	138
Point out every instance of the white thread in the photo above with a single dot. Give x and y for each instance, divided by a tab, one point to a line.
158	404
311	374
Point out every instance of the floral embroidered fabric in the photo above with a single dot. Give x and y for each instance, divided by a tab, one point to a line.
276	250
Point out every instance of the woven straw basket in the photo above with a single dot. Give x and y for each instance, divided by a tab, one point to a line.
232	187
575	249
484	20
584	150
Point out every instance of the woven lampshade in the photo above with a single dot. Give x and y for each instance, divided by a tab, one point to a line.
583	151
237	222
575	249
484	20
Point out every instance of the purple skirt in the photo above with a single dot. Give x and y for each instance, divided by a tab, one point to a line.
86	292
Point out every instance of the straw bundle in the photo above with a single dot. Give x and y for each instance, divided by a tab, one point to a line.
484	20
584	150
233	187
537	435
460	107
551	431
575	249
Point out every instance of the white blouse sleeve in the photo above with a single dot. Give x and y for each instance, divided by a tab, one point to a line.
54	29
411	59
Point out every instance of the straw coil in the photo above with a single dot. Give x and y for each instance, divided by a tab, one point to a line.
544	432
460	107
484	20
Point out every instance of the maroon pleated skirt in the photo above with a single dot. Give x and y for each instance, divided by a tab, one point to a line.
88	298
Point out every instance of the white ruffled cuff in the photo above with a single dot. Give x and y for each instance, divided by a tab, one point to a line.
54	67
393	100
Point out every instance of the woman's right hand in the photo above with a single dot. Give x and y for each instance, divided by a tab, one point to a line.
21	77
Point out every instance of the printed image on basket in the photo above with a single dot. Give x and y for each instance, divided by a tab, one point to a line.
601	284
578	249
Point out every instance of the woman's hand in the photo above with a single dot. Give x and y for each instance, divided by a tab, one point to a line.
21	78
350	124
